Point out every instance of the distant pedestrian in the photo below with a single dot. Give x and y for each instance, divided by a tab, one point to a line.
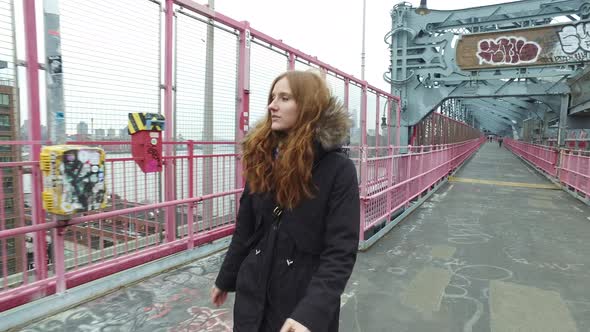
500	140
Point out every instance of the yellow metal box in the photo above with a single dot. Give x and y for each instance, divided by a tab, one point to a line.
73	179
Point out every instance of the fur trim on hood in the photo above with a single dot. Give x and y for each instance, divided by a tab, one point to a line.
333	127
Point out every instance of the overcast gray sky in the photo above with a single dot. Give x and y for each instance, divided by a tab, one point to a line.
332	29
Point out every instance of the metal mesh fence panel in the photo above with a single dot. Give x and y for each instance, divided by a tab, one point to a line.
206	112
336	86
111	66
16	251
354	107
372	138
265	65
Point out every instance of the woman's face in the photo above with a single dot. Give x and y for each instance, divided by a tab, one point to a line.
282	108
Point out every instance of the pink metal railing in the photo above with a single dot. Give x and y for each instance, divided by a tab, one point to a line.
125	234
392	181
437	128
576	139
544	157
574	171
570	167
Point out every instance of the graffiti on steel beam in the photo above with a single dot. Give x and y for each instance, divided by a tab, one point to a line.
507	50
575	38
542	45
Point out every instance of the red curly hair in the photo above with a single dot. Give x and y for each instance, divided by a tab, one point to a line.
289	176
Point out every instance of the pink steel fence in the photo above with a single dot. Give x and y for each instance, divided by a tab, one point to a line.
574	172
437	128
194	200
544	157
391	182
567	166
132	229
577	139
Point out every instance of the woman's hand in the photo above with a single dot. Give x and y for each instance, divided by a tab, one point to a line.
293	326
218	296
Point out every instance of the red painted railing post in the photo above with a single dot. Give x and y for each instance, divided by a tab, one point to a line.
191	193
243	97
38	214
170	163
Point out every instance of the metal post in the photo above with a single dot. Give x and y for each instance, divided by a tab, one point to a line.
291	64
162	175
398	125
408	176
35	134
364	114
54	75
346	103
347	93
363	155
388	120
391	160
363	52
242	112
363	192
190	218
421	170
59	261
562	121
169	183
208	119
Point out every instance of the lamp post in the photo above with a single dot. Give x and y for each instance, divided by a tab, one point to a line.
385	125
422	9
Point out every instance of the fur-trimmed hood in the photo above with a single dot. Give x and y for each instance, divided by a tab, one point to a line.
333	128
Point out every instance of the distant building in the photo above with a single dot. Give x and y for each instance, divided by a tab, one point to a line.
82	128
24	132
111	132
124	132
11	188
99	133
355	118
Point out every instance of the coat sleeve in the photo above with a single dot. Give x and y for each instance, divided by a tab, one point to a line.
341	238
238	249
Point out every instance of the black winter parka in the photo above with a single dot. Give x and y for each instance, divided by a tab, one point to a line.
297	265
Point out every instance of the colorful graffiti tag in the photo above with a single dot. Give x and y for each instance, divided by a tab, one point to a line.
545	45
574	38
507	50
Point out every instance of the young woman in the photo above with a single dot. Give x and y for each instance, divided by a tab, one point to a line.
297	231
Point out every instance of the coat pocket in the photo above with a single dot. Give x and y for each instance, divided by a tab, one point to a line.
248	273
248	277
